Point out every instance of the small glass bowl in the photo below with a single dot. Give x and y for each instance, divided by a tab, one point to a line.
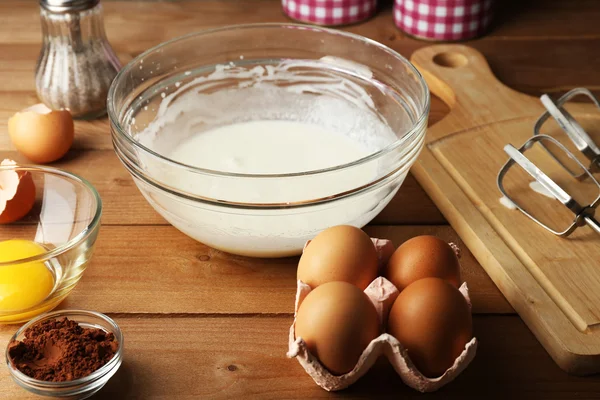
80	388
65	220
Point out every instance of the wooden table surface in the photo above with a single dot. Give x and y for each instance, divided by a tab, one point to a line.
198	324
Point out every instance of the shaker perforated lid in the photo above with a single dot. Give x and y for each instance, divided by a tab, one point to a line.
60	6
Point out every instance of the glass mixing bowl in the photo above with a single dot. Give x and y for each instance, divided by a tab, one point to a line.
343	82
64	222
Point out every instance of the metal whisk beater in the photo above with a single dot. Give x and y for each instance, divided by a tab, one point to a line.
583	213
575	132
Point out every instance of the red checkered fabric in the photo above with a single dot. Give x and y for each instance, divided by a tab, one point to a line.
444	20
329	12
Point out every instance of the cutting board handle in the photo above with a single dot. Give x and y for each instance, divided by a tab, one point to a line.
462	78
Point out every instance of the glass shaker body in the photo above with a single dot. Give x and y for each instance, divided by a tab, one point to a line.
76	64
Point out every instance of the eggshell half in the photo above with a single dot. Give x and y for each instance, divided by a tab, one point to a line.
17	193
382	293
41	134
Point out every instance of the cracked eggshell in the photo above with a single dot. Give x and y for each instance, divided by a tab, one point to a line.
17	193
41	134
382	293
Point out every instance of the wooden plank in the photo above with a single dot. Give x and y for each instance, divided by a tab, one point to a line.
554	68
520	64
124	205
537	46
540	20
137	269
545	20
122	201
513	47
411	205
95	134
244	357
17	72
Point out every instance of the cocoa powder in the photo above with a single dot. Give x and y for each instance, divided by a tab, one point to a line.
61	350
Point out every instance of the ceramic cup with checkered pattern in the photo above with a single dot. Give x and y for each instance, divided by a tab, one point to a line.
443	20
329	12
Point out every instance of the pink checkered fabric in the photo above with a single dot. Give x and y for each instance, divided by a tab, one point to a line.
444	20
329	12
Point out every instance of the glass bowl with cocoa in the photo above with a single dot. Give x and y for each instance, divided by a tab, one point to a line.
68	354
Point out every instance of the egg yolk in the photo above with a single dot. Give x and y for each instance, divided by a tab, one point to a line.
23	285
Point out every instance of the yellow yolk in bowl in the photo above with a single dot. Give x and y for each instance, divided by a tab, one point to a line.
23	285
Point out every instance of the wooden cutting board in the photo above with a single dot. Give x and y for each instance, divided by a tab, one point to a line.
552	282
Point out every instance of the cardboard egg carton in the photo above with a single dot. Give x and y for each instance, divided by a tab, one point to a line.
382	294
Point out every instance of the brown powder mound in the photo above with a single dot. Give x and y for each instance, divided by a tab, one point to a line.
61	350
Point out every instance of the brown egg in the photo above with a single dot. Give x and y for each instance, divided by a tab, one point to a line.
432	320
423	257
340	253
17	194
337	321
40	134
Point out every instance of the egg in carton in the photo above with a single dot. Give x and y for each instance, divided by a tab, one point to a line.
382	294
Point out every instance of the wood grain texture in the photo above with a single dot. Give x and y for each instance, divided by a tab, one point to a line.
95	135
521	64
124	205
551	282
200	324
512	46
517	20
163	271
244	357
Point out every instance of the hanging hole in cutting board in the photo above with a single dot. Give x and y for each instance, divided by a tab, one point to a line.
450	59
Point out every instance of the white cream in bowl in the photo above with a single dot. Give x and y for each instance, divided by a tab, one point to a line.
268	155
